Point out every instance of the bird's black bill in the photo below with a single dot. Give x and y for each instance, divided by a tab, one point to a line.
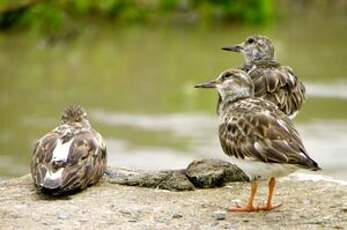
235	48
206	85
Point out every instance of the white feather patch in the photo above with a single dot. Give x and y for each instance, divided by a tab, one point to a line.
53	176
61	151
283	125
258	147
303	155
293	115
291	78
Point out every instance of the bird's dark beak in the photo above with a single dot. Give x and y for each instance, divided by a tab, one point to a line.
234	48
206	85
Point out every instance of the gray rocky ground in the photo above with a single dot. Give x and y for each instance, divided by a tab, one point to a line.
307	204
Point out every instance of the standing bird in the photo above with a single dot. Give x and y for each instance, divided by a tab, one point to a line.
272	81
69	158
260	139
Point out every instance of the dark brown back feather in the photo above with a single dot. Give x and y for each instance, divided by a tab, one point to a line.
279	85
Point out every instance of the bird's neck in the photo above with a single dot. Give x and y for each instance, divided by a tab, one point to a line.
81	124
260	63
224	102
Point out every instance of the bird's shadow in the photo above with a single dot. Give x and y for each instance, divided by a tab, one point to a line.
40	195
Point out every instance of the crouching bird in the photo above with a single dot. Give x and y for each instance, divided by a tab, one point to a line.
260	139
69	158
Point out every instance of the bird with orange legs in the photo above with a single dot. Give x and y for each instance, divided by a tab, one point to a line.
259	138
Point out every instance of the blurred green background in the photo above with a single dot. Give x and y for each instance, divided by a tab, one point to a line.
132	65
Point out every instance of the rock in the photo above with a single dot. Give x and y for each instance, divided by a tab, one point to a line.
114	206
219	215
176	181
210	173
138	177
63	216
176	215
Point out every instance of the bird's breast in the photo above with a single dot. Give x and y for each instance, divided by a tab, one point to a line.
258	170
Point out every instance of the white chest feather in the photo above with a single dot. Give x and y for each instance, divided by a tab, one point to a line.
257	170
61	150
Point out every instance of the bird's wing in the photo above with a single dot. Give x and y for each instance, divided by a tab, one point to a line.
264	137
279	85
42	155
87	156
298	93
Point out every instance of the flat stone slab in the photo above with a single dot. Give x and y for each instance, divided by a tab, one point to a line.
307	204
206	173
174	180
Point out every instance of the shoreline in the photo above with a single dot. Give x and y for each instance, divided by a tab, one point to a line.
309	202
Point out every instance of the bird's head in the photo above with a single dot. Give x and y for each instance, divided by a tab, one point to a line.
233	83
74	114
255	48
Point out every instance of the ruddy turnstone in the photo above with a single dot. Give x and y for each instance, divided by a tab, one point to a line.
257	135
69	158
272	81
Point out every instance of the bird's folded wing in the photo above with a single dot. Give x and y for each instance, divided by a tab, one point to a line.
281	86
262	137
43	148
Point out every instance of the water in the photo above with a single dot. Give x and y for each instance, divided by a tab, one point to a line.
136	83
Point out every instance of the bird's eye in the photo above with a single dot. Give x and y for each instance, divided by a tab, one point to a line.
250	40
226	76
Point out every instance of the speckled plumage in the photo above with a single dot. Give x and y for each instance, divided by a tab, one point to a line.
256	129
70	157
256	134
272	81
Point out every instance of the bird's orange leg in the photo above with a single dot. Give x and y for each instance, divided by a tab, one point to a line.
269	205
250	207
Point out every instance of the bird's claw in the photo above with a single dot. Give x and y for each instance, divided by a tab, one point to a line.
269	207
250	208
238	205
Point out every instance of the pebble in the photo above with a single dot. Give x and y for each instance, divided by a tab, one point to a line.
219	215
63	216
82	219
307	201
176	215
125	212
133	220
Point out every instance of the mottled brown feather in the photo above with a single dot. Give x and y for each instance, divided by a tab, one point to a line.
256	128
85	164
277	84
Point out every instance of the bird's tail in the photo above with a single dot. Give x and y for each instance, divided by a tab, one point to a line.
312	165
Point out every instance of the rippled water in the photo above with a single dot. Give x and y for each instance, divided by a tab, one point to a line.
136	84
